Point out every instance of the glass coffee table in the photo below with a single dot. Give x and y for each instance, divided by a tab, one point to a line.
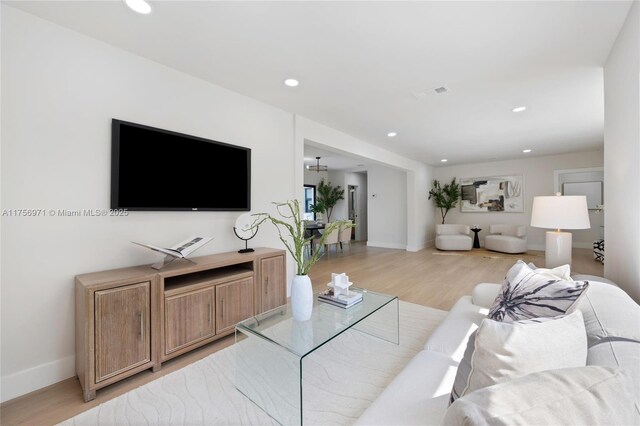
271	348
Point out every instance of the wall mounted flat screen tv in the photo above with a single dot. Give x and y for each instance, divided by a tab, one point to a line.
155	169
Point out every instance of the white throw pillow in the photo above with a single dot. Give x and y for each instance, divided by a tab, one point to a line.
526	294
592	395
499	351
562	272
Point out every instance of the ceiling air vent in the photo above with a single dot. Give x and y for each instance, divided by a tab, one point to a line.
422	94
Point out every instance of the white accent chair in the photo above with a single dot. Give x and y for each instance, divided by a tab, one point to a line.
332	238
345	235
453	237
506	238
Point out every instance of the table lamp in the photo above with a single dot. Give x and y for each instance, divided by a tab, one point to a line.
559	212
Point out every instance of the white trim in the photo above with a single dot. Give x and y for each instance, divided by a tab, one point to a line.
386	245
38	377
582	245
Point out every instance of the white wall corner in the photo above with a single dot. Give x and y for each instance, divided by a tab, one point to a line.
417	247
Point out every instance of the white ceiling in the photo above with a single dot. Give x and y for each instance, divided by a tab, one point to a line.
359	64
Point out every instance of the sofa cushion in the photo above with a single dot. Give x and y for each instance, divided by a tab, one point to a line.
484	294
526	294
609	312
499	351
570	396
418	395
582	277
618	353
454	242
450	338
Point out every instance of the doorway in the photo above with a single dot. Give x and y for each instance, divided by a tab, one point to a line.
309	201
352	207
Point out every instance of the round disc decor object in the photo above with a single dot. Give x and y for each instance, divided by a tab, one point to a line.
244	231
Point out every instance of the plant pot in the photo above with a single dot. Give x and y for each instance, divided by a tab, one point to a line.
301	298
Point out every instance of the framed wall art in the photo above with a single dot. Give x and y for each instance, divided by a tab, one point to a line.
492	194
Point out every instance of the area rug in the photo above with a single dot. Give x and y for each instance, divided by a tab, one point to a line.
347	374
488	254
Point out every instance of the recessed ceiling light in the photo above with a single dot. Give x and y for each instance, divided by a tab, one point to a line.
140	6
519	109
444	160
392	134
291	82
526	151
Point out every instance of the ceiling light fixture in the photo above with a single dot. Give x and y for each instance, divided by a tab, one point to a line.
444	160
318	167
519	109
526	151
140	6
392	134
291	82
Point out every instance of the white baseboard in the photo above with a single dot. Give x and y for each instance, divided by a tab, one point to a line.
422	246
386	245
535	247
38	377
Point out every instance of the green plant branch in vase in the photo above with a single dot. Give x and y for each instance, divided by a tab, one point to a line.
291	232
445	196
328	196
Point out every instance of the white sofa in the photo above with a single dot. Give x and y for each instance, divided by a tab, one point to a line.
419	394
453	237
506	238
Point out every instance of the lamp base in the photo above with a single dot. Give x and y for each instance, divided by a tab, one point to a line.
557	249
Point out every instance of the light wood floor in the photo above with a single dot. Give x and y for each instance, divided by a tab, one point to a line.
427	277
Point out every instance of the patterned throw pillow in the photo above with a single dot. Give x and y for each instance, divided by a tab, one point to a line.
526	294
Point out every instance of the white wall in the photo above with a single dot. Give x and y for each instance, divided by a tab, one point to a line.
359	180
314	178
387	223
622	157
421	218
60	91
538	179
419	226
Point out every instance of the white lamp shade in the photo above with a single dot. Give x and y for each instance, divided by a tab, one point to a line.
560	212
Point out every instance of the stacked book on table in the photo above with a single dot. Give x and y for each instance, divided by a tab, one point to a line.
342	300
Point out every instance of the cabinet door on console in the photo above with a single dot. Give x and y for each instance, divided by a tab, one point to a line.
189	318
122	329
234	303
274	290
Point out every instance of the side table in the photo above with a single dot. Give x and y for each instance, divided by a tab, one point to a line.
476	240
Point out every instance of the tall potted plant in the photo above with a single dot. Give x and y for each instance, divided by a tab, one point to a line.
445	196
292	233
328	196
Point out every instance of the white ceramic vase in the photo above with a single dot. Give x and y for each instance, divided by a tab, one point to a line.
301	298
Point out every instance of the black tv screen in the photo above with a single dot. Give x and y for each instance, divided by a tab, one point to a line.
155	169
